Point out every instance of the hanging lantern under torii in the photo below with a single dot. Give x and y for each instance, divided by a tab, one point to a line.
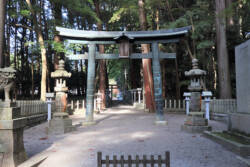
124	45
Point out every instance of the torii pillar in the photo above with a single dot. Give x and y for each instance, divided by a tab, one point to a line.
89	115
160	119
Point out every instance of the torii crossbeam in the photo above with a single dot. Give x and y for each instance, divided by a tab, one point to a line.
124	38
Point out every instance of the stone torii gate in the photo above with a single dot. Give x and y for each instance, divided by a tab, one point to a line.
124	39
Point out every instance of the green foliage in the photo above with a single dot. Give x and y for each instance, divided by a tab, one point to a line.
58	47
25	13
121	14
115	69
81	8
201	18
117	15
125	15
205	44
180	22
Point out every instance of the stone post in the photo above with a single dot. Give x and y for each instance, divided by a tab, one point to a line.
139	95
49	97
89	114
60	123
134	95
187	100
12	152
157	85
207	95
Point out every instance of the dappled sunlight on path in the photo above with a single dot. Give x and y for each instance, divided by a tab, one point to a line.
123	130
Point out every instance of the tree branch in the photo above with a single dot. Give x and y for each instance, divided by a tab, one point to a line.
22	26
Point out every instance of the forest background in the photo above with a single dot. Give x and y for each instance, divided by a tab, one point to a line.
29	43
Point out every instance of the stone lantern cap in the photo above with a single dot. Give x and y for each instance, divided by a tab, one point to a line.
195	71
61	72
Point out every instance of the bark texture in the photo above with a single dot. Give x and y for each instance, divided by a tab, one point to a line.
222	53
102	63
43	50
2	26
146	63
57	12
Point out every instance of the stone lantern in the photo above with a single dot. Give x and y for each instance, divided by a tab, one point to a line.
60	123
195	121
61	89
196	76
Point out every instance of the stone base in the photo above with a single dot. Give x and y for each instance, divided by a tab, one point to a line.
60	124
174	110
161	123
196	119
240	122
79	112
231	145
12	152
139	106
195	123
12	148
195	129
89	123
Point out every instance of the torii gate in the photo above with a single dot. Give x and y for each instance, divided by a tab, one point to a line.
124	38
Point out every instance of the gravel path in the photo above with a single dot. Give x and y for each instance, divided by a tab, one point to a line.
124	131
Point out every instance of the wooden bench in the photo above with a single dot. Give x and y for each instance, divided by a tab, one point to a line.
159	161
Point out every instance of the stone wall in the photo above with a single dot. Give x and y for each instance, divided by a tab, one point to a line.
240	121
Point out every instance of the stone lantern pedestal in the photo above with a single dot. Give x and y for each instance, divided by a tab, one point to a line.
195	121
12	152
60	123
11	135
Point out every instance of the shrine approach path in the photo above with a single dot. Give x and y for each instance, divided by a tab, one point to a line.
122	130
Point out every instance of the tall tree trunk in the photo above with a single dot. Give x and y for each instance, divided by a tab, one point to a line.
214	73
15	49
157	19
230	20
2	26
43	51
178	91
222	53
49	52
32	69
102	63
103	76
146	63
57	11
8	28
169	11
